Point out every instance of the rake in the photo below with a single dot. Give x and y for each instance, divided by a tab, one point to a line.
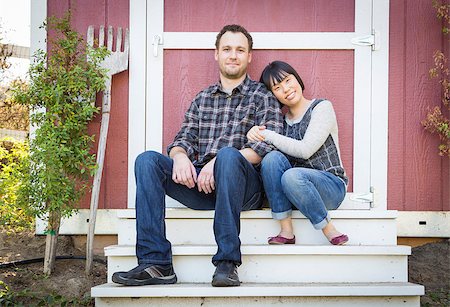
115	63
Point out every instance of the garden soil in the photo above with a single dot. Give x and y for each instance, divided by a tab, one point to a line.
429	265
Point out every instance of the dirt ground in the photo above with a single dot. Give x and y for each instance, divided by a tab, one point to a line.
68	280
429	265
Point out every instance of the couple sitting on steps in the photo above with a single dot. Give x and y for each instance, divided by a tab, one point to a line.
234	143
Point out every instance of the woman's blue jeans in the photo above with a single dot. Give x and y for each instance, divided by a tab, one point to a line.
311	191
238	187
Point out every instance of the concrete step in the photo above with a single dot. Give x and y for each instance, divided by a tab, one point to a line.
286	263
186	226
261	294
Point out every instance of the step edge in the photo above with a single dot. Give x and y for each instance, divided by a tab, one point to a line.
185	213
259	289
264	249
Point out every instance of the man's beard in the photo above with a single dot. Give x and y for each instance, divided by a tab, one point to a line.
233	73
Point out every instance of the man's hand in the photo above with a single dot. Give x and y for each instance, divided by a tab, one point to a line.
183	171
253	134
206	181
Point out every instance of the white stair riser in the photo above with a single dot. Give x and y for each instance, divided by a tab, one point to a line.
286	268
409	301
256	231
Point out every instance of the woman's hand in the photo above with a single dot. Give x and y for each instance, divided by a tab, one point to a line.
253	134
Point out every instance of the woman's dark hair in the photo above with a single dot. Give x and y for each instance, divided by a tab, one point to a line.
276	71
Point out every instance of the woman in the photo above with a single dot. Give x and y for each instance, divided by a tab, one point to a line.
309	175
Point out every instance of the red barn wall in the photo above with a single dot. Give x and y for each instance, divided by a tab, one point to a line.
113	192
418	179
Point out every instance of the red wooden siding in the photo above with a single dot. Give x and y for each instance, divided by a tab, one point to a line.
113	193
260	15
187	72
418	179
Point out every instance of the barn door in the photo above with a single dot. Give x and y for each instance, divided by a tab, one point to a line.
332	44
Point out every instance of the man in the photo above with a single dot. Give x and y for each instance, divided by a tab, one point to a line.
210	167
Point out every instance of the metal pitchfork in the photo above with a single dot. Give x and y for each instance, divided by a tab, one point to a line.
115	63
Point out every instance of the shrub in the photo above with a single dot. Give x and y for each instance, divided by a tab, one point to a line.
14	161
61	91
436	120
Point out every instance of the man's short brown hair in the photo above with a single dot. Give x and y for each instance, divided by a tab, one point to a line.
235	29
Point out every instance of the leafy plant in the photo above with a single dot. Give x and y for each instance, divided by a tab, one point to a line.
436	120
8	297
14	159
13	115
436	297
60	95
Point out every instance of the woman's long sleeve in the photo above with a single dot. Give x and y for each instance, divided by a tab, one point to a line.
323	123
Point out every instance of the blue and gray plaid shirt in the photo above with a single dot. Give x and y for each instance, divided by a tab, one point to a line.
216	120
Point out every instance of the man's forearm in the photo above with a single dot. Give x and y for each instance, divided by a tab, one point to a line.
250	155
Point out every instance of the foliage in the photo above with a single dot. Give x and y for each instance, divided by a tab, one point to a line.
13	168
440	297
436	120
25	297
64	84
13	115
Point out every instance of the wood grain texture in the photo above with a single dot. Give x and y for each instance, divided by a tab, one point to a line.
113	192
326	74
260	15
417	176
418	179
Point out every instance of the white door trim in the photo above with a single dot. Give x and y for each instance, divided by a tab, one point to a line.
145	111
380	103
137	94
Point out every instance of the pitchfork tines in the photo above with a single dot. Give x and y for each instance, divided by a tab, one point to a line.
117	61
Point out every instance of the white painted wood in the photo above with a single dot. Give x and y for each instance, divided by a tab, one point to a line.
424	224
256	231
137	94
266	249
261	289
350	202
38	38
185	213
362	89
379	108
38	34
264	40
154	87
185	226
293	263
354	222
258	301
106	223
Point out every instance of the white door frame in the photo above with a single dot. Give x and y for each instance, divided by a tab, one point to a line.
371	72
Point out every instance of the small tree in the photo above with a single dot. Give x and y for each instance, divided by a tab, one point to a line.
63	83
436	120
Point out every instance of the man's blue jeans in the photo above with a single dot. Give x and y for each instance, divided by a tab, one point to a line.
309	190
238	187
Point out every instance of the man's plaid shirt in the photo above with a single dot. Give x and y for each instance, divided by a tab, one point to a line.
216	120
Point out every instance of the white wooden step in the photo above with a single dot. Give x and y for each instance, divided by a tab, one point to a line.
287	263
186	226
253	294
